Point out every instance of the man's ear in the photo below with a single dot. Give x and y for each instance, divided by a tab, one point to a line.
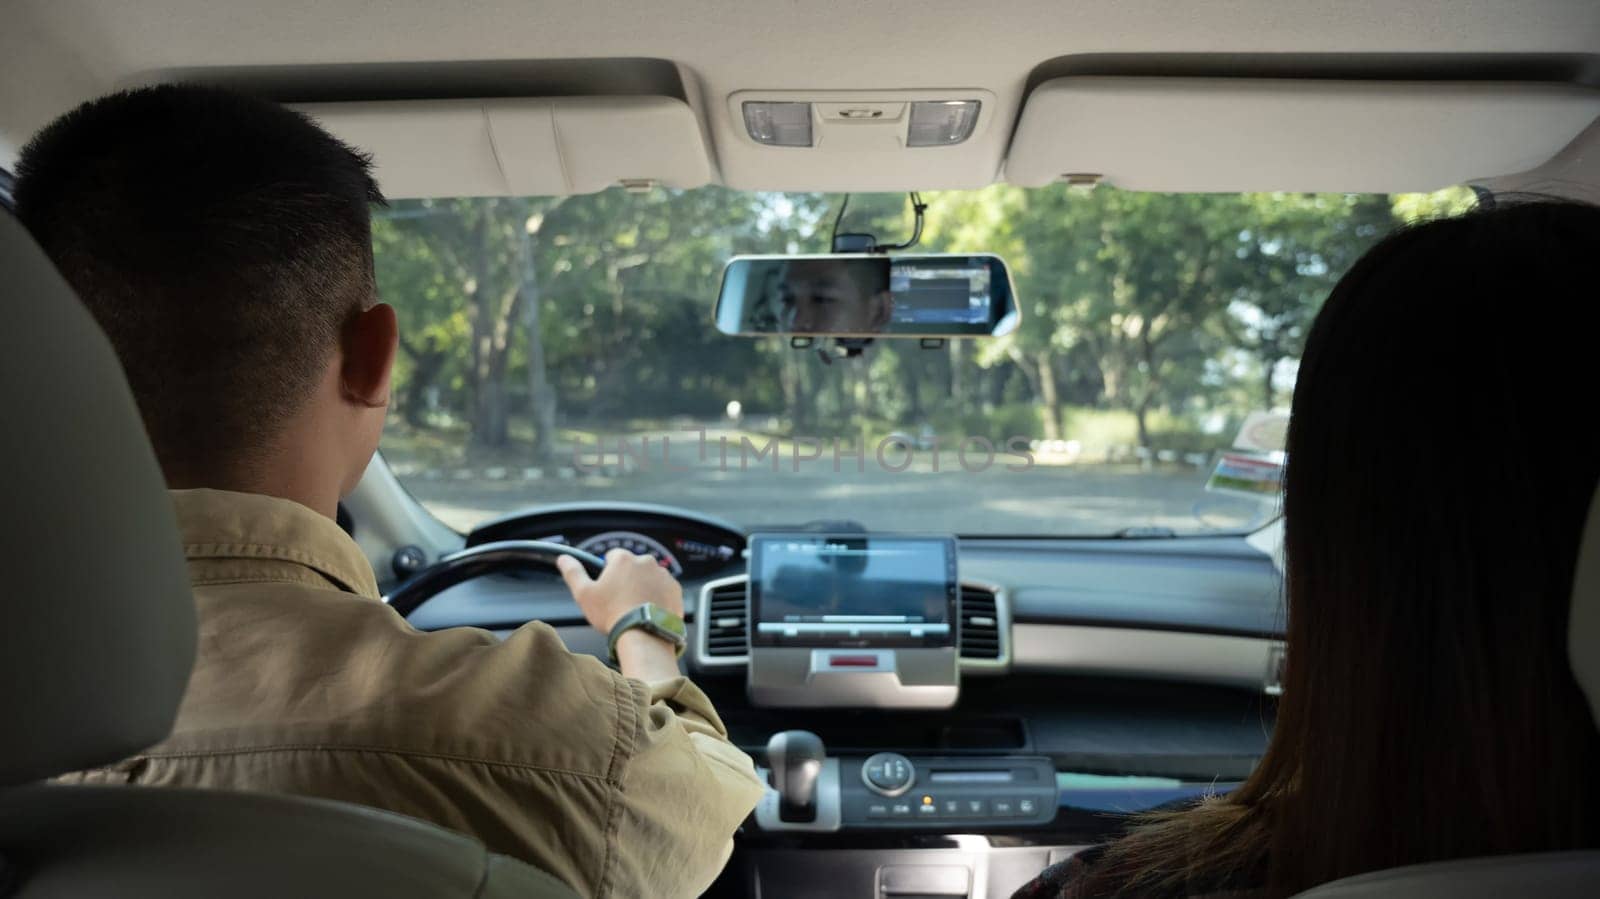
367	356
882	309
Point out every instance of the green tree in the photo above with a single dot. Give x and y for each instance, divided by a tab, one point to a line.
458	258
597	308
1287	257
1126	276
433	326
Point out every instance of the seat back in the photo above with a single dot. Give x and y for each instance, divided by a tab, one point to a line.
99	631
148	843
97	648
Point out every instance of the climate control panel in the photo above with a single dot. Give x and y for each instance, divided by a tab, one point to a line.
896	791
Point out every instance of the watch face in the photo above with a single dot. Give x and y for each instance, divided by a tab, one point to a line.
653	620
666	624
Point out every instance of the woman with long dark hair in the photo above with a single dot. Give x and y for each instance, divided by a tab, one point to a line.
1441	464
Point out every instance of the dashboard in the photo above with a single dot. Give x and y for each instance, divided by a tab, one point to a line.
1082	680
1142	657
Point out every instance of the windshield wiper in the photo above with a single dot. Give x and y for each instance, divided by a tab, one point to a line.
1145	532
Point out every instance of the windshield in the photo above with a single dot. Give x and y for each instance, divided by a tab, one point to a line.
562	349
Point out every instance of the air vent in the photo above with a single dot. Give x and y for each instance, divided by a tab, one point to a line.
726	617
980	623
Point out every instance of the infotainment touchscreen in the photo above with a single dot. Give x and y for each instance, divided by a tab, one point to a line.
853	590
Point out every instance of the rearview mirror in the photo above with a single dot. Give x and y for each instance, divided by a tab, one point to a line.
867	296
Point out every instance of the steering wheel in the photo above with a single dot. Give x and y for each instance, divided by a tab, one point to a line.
504	555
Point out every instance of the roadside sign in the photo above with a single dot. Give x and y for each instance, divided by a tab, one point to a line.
1258	477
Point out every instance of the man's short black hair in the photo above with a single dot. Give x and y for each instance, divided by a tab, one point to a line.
221	241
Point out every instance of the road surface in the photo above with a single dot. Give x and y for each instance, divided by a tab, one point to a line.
743	487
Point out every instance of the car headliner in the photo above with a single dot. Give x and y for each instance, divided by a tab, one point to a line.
59	52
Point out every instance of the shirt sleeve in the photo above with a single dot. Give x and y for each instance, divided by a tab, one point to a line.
685	791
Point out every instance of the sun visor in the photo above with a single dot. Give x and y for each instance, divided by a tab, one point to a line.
522	147
1254	134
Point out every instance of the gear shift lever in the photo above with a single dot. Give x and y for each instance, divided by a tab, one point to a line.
795	757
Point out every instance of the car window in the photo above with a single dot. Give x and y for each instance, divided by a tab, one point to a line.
559	349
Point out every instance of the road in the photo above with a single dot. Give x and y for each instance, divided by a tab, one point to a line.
751	490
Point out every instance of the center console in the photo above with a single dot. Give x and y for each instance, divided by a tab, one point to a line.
938	777
831	629
872	621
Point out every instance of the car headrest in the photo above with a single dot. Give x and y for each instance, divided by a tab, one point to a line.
99	634
1583	627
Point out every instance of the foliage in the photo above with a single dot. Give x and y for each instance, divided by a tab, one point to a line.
1149	319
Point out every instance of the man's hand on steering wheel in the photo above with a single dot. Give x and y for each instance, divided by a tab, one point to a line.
627	582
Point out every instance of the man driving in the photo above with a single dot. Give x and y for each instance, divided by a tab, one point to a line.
224	245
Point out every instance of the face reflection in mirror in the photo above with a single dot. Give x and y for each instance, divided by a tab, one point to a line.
866	296
835	296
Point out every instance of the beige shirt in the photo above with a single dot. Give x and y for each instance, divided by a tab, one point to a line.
307	684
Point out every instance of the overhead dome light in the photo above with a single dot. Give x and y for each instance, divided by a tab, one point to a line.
782	124
937	123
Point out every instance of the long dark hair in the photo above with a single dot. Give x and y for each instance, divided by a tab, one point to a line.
1441	463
